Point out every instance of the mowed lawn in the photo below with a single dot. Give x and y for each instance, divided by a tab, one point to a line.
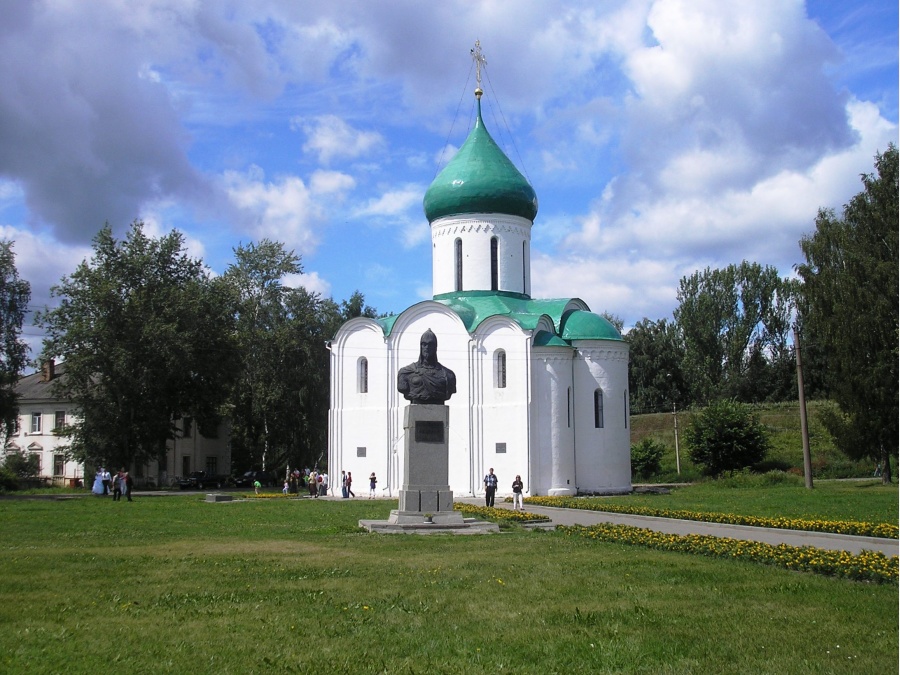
856	500
178	585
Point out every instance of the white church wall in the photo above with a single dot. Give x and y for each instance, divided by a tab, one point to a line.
359	440
600	464
502	422
475	232
453	352
553	437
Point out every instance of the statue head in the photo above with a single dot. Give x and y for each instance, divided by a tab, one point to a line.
426	381
428	348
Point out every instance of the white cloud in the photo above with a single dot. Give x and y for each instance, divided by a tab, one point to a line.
663	135
284	210
393	202
669	235
331	183
311	281
330	137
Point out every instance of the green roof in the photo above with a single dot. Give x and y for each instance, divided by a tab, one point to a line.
480	179
570	322
581	325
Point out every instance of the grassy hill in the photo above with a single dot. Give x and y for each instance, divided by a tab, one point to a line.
782	420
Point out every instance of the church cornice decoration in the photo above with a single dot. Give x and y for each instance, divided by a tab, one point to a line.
498	225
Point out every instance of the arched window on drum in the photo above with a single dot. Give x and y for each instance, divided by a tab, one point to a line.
500	369
598	408
362	375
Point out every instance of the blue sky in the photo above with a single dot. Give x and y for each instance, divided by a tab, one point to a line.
661	136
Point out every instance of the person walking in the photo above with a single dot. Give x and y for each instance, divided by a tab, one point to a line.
118	484
286	487
350	485
344	484
106	478
129	484
490	487
97	487
372	481
517	488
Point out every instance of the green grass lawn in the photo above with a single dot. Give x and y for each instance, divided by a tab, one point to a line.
178	585
866	500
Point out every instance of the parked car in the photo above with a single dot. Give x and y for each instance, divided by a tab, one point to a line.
265	478
198	480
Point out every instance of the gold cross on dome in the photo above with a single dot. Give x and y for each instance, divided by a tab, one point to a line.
480	61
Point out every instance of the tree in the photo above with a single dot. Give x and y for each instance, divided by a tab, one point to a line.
356	306
726	436
645	457
655	378
732	321
14	296
260	391
147	337
850	306
280	413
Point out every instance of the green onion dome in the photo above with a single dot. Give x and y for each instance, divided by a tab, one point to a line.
480	179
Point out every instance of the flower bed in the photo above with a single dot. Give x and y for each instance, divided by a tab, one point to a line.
884	530
492	513
270	495
866	566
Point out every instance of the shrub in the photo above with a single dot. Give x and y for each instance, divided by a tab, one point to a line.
726	437
646	456
9	482
22	465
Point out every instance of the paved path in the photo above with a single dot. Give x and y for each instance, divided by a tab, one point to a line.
768	535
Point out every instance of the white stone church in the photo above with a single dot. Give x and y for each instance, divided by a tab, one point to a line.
542	385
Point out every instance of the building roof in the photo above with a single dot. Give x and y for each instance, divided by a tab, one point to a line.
581	325
570	318
480	179
38	386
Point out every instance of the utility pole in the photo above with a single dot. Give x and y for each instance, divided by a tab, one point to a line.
804	428
677	456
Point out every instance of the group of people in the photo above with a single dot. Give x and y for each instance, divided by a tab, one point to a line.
317	483
490	490
120	484
347	485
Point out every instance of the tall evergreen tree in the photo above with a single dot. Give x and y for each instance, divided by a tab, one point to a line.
850	304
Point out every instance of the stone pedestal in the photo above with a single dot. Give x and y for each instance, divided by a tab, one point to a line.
426	484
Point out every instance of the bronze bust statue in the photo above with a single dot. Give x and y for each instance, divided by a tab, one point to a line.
426	381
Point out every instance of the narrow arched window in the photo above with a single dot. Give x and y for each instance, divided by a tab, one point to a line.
458	257
500	369
598	408
569	407
362	375
524	268
494	264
